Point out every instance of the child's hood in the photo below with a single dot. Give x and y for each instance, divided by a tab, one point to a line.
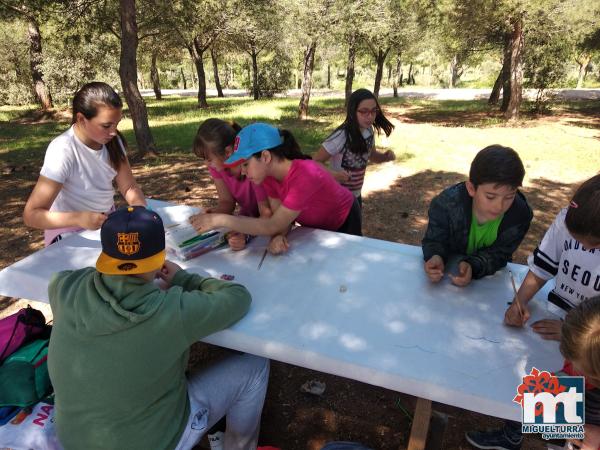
105	304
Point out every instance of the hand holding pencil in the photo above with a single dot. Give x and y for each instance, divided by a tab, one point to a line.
517	313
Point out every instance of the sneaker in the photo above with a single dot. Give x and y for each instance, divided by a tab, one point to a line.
492	440
215	440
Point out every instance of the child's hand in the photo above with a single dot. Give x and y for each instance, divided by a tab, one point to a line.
513	316
341	176
434	268
465	273
204	222
237	241
91	220
548	329
168	271
390	155
279	244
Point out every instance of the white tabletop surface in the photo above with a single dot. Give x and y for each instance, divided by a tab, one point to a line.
356	307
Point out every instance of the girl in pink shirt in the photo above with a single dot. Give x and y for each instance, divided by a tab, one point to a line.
214	143
299	189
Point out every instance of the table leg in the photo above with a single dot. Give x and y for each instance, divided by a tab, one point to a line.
420	425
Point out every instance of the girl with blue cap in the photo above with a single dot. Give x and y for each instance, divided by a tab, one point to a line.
299	189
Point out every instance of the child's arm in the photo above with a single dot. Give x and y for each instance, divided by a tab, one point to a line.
516	316
37	212
237	241
127	186
437	235
380	157
226	203
322	156
278	223
264	208
207	305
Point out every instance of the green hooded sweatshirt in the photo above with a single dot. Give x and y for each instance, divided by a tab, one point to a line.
119	350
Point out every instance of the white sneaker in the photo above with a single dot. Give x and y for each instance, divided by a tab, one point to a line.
216	441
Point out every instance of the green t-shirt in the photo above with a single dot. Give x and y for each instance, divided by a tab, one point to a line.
483	235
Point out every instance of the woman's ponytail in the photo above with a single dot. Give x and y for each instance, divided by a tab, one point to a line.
289	149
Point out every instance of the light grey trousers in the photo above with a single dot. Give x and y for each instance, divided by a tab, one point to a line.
234	387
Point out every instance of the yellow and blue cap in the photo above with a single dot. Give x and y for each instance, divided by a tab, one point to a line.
253	139
133	241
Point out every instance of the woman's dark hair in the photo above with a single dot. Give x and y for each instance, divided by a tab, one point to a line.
355	141
583	215
214	135
499	165
87	100
289	148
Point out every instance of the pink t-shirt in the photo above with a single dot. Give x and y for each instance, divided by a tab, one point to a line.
309	188
244	192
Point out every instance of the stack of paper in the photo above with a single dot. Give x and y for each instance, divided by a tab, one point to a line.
181	237
187	243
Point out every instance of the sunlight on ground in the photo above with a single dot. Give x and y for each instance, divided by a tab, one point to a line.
556	151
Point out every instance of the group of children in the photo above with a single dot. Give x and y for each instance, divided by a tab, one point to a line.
136	336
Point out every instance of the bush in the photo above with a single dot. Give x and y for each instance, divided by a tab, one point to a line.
274	75
15	73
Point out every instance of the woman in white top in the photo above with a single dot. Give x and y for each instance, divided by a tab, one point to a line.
75	190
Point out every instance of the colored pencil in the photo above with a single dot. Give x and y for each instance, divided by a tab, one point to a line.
262	259
514	286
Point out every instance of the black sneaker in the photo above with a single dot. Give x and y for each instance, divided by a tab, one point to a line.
492	440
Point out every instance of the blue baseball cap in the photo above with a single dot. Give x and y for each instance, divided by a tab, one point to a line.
133	241
253	139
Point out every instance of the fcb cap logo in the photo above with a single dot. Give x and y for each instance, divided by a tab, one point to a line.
133	241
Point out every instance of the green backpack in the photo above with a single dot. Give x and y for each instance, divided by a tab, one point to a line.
24	378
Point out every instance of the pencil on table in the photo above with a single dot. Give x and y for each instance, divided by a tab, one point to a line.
262	259
514	286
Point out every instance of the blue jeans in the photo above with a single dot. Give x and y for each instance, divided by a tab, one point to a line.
234	387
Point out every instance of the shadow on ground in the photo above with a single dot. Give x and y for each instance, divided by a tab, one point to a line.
399	214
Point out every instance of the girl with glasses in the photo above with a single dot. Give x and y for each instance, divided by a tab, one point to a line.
352	145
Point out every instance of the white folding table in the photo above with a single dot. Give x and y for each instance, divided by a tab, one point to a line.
355	307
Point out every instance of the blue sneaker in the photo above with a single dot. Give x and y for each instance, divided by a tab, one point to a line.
493	440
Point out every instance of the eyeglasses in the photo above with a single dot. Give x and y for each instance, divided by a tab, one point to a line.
368	112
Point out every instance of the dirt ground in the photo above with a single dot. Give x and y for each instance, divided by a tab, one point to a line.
348	410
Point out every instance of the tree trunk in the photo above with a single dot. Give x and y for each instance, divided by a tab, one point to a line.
192	73
198	57
141	80
183	78
213	56
410	74
513	78
456	71
350	67
584	62
495	95
35	61
154	76
398	75
255	90
328	76
309	64
128	75
380	58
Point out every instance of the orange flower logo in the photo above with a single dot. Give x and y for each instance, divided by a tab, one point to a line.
535	383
